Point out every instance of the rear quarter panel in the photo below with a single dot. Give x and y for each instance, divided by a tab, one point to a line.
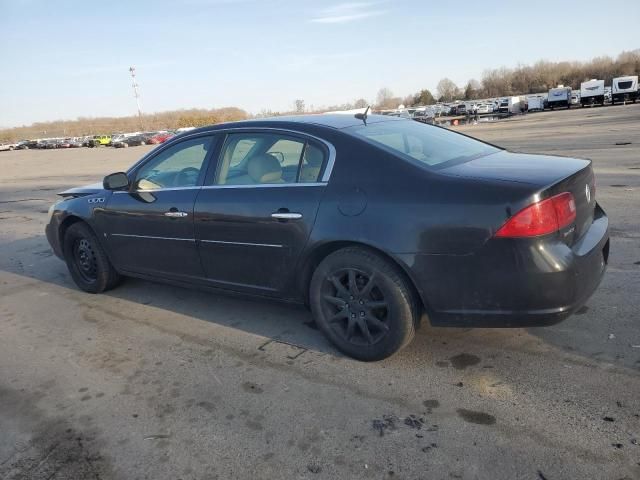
391	204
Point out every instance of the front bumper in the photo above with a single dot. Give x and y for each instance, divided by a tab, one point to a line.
514	282
52	230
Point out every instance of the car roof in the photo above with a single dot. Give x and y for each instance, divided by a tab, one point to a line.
335	121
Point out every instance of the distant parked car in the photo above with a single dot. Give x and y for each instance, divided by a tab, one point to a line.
484	108
461	109
26	145
66	143
99	140
7	146
133	141
159	138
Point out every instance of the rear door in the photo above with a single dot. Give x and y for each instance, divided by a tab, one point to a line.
254	216
149	229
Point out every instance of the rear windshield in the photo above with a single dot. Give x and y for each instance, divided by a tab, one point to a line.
429	145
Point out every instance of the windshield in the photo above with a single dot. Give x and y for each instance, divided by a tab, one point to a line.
431	146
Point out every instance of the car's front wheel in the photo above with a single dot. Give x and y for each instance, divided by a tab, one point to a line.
87	262
363	303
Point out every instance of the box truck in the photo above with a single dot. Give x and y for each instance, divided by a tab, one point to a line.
592	92
624	89
559	97
510	105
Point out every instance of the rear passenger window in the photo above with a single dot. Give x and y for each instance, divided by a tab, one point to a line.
287	152
269	158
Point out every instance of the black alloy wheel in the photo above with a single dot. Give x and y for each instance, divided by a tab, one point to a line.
355	306
363	303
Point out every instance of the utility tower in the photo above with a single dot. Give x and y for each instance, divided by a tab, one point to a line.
136	94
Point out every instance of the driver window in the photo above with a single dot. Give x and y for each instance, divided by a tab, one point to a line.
177	166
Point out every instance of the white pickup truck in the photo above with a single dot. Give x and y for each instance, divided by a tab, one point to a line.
7	146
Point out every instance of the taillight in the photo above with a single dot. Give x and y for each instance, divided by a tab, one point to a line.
541	218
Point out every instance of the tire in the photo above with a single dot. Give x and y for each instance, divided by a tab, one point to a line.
87	262
367	321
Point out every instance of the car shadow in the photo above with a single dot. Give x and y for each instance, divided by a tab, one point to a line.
32	258
290	323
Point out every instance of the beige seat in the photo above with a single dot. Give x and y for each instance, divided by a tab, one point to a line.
263	168
311	164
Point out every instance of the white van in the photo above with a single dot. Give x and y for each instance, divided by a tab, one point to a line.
592	92
624	89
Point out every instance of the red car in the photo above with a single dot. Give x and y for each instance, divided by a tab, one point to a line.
159	138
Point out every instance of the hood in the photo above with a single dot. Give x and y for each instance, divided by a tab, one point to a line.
83	191
541	170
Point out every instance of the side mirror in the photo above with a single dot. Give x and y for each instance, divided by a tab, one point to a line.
116	181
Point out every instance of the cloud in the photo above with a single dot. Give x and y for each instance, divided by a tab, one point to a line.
348	12
321	62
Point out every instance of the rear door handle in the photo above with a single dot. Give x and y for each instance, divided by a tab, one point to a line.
286	215
176	214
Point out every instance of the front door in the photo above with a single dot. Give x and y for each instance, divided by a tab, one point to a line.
149	229
254	218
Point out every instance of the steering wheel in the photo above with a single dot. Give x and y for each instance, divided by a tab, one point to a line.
187	177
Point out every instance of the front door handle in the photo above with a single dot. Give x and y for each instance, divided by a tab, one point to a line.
175	214
286	215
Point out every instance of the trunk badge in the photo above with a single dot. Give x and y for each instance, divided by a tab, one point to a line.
587	192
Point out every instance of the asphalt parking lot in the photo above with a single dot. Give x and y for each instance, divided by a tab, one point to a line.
151	381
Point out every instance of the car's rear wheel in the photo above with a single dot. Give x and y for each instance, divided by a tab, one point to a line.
363	304
87	261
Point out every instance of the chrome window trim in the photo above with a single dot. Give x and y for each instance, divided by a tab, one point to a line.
248	244
215	187
158	190
265	185
325	176
151	237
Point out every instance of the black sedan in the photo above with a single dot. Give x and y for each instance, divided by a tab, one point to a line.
134	141
372	222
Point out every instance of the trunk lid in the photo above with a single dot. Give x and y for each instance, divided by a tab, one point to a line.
547	175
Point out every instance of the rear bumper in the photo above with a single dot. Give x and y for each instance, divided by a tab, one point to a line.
513	282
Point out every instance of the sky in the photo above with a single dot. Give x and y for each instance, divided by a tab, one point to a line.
64	59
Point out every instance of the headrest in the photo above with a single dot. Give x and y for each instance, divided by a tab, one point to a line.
313	156
264	168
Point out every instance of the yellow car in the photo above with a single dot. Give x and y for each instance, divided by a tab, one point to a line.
98	140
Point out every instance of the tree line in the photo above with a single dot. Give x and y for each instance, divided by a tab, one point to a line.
522	80
82	126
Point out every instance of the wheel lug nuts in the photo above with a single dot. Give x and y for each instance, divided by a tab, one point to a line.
362	314
353	315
